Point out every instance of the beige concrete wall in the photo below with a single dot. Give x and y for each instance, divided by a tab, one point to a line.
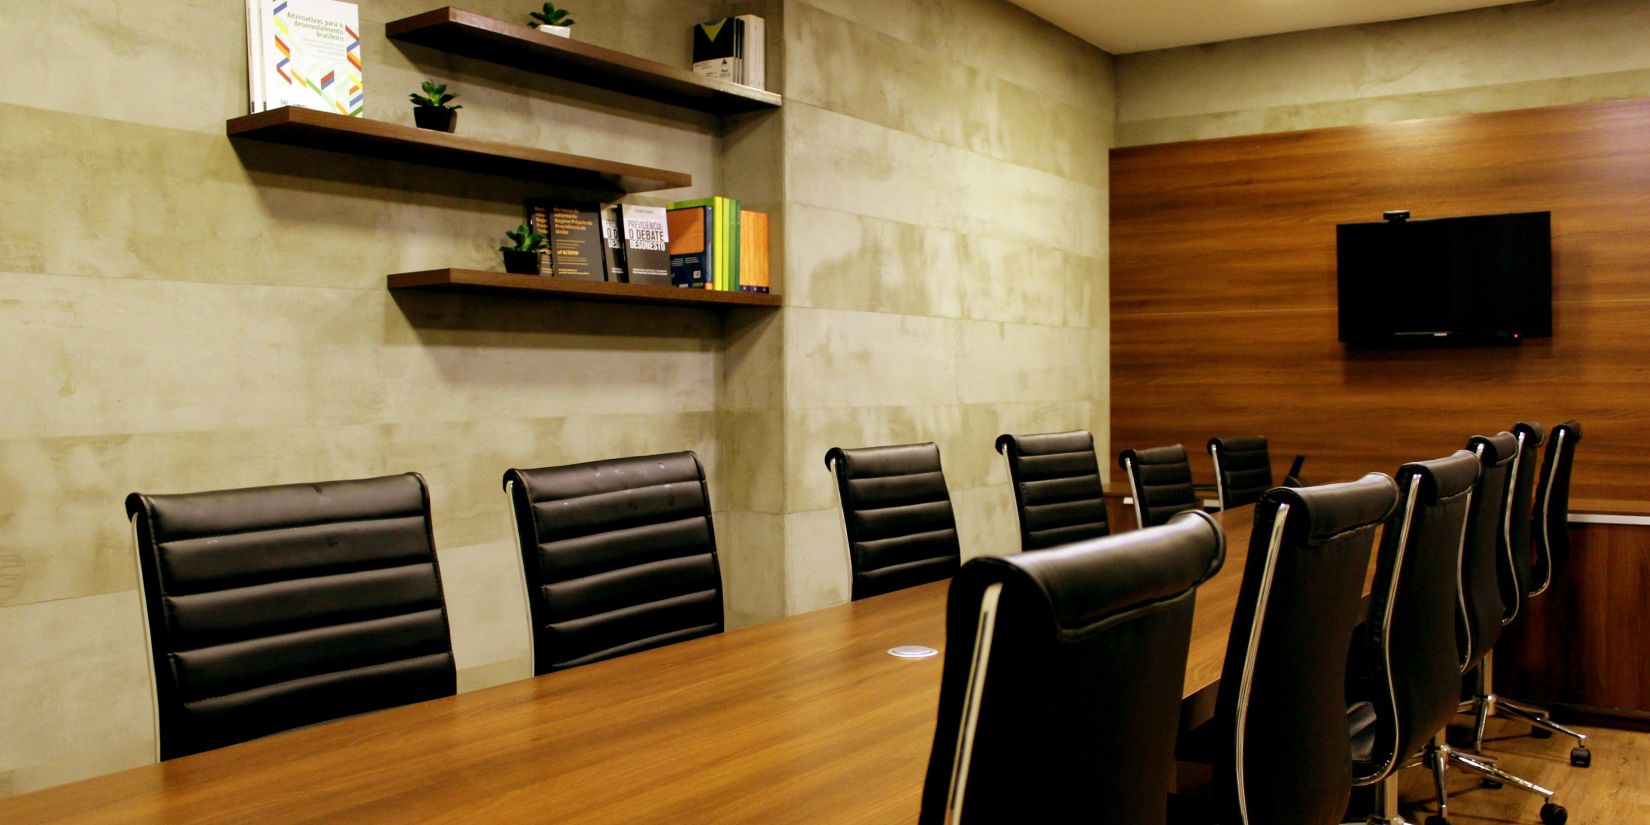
184	313
1510	57
946	245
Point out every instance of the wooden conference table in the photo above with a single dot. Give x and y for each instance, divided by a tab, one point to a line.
803	720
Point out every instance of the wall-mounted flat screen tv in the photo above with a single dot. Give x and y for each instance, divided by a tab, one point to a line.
1474	278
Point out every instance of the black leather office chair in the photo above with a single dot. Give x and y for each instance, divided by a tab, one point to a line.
1160	480
1547	520
1550	516
1057	488
1404	674
1483	560
272	608
897	512
618	556
1243	469
1279	739
1060	693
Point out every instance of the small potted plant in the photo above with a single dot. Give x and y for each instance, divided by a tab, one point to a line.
553	21
430	109
523	257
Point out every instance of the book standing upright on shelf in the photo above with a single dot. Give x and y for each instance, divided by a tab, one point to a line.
304	53
730	243
732	49
613	244
573	232
646	244
716	50
753	43
690	244
753	251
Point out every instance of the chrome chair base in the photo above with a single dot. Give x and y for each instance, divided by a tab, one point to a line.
1438	757
1485	703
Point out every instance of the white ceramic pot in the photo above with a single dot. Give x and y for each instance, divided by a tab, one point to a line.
559	31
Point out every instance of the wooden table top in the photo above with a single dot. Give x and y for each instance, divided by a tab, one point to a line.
802	720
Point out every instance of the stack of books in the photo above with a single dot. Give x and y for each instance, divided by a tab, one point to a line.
732	48
710	243
304	53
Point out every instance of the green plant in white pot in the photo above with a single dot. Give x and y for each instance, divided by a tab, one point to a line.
552	20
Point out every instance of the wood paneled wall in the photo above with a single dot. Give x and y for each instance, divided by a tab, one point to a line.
1581	645
1223	293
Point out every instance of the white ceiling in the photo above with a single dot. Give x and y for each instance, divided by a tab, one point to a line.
1123	26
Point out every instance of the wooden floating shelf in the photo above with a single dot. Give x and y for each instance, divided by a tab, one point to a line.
315	129
466	33
478	280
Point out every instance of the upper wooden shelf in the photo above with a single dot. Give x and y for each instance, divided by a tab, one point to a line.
515	44
316	129
478	280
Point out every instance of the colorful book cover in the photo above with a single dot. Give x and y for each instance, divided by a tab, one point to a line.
311	56
576	242
690	244
613	244
713	236
646	244
716	50
753	251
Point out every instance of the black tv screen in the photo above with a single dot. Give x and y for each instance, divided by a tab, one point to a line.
1480	277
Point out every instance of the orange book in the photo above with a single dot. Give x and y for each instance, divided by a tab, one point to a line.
753	252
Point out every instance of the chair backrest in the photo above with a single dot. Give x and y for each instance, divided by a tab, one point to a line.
1515	527
1060	693
1285	755
1485	555
897	513
1057	488
618	556
1243	469
272	608
1160	480
1413	675
1551	517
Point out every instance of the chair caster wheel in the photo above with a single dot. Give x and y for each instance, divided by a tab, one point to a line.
1491	784
1554	814
1580	756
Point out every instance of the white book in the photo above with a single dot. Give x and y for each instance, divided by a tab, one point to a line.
311	55
254	57
755	42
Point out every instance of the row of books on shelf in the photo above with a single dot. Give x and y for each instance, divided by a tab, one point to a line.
709	243
304	53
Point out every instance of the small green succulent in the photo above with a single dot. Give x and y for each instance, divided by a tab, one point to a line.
435	96
525	240
551	16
